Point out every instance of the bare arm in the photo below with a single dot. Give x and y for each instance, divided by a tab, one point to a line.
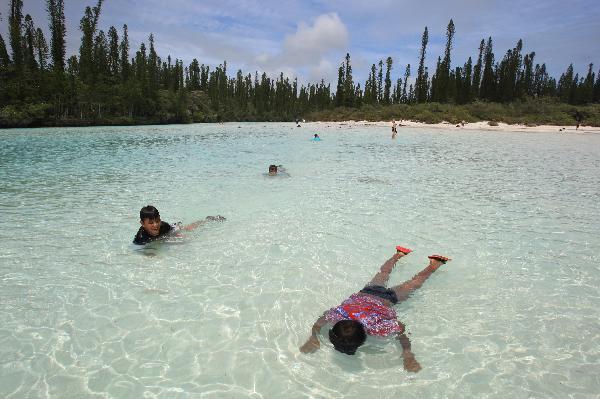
194	225
312	344
410	363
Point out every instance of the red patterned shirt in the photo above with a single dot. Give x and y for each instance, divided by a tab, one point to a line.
376	318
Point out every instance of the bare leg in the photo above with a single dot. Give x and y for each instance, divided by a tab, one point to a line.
382	277
408	287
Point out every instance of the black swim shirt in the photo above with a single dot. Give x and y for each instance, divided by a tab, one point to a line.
142	237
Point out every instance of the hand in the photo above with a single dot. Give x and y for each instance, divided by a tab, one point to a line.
410	363
311	345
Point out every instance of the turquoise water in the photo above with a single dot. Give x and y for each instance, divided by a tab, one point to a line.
221	312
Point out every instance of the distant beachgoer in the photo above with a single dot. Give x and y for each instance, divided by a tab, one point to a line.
316	138
153	228
370	312
277	170
578	118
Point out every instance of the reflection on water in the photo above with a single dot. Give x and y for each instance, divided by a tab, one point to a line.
222	310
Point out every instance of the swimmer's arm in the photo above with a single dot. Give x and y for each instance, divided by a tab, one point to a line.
410	363
312	344
194	225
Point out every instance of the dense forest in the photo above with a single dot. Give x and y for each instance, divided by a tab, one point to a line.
104	84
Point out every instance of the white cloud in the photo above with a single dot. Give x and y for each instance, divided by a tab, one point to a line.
312	47
311	42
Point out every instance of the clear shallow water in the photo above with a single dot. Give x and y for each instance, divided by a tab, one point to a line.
222	312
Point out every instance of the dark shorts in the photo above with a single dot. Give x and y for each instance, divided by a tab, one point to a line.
381	292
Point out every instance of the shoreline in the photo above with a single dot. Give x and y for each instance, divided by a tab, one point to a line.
483	125
474	126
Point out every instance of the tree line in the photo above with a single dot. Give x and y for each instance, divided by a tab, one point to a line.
103	83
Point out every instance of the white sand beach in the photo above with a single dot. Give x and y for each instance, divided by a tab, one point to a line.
484	125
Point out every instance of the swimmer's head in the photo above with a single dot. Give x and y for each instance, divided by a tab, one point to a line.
316	135
272	170
347	335
150	220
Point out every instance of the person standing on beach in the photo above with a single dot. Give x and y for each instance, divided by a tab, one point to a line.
370	312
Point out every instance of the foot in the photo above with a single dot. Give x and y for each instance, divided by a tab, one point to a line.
437	260
402	250
217	218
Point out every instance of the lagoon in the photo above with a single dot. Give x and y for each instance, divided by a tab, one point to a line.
221	312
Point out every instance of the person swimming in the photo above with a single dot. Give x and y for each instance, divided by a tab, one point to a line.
316	138
153	228
370	312
277	170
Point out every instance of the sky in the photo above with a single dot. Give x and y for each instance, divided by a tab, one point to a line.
308	39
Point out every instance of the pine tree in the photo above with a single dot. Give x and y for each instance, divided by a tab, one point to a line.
380	82
406	76
15	22
204	74
370	95
421	89
488	80
339	93
544	85
435	81
42	49
443	80
508	73
29	43
397	94
466	89
56	12
153	66
477	71
454	84
565	85
141	59
4	58
586	90
358	96
388	80
124	58
194	72
528	76
113	53
88	26
100	56
348	83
